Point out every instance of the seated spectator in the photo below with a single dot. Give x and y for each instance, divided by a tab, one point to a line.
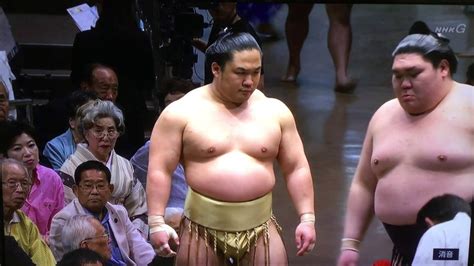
446	242
172	90
85	231
101	80
4	104
46	197
470	75
58	149
93	190
81	257
100	127
16	184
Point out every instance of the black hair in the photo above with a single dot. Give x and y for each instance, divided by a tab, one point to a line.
222	50
431	45
88	71
77	99
91	165
79	257
470	73
10	131
442	208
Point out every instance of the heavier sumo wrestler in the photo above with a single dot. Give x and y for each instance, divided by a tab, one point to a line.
418	146
227	135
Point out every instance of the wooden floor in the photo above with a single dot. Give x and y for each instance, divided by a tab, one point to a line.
333	126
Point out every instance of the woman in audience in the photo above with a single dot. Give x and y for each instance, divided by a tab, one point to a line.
47	196
102	123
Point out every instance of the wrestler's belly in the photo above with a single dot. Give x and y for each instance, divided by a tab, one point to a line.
401	193
232	178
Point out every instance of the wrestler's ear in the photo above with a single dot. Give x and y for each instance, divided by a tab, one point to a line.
216	69
429	222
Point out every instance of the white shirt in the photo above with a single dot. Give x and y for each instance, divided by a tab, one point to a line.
443	240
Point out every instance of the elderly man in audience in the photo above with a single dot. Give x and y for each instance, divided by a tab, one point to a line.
100	126
102	80
46	197
93	189
61	147
16	185
4	106
85	231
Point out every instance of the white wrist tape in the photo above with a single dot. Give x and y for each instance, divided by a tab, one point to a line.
307	218
157	224
350	244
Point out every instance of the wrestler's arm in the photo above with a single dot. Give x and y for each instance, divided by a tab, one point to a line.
296	171
165	152
360	204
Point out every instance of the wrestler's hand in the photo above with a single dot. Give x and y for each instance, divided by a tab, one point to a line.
305	236
348	258
160	234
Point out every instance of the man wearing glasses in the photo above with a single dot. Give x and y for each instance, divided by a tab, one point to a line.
85	231
16	185
93	190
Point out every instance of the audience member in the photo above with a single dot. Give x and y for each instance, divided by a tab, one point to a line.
16	184
117	41
93	189
260	16
100	127
58	149
446	242
172	90
225	19
470	75
4	103
85	231
339	41
101	80
417	146
46	197
81	257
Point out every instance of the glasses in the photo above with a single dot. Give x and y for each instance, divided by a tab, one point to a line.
98	133
105	235
89	187
14	184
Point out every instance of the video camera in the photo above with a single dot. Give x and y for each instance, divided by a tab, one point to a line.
178	25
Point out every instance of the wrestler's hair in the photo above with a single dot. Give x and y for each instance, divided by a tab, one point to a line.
223	49
80	257
470	74
442	208
75	230
434	47
91	165
97	109
10	131
9	161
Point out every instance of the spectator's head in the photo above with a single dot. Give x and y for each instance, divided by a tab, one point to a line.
430	45
441	209
470	75
85	231
4	104
16	184
76	100
18	142
81	257
102	123
93	188
224	13
102	80
173	89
